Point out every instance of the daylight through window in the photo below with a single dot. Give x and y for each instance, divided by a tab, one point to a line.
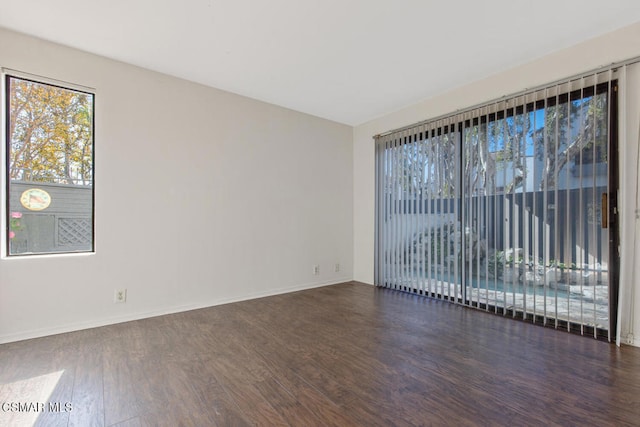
509	207
49	154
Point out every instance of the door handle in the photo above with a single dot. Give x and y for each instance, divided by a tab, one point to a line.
604	210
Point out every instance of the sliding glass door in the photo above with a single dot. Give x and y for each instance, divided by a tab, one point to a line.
507	208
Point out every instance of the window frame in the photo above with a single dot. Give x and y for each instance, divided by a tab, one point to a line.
6	75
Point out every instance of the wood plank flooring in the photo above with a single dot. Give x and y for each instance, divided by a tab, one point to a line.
341	355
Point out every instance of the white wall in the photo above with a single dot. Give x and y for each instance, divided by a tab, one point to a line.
202	197
613	47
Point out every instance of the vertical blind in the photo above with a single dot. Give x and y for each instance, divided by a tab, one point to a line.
508	207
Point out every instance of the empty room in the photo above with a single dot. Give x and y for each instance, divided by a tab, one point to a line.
316	213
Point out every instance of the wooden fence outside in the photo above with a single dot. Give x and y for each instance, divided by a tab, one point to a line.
66	225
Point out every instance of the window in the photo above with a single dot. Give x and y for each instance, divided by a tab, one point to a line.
501	207
49	167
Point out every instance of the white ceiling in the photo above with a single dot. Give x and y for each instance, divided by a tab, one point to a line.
346	60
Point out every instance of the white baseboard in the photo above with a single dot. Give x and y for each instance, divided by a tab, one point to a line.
78	326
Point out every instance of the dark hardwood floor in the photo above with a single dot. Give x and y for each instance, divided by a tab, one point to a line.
348	354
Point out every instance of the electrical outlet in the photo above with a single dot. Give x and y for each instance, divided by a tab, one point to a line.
337	269
120	296
629	339
316	270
